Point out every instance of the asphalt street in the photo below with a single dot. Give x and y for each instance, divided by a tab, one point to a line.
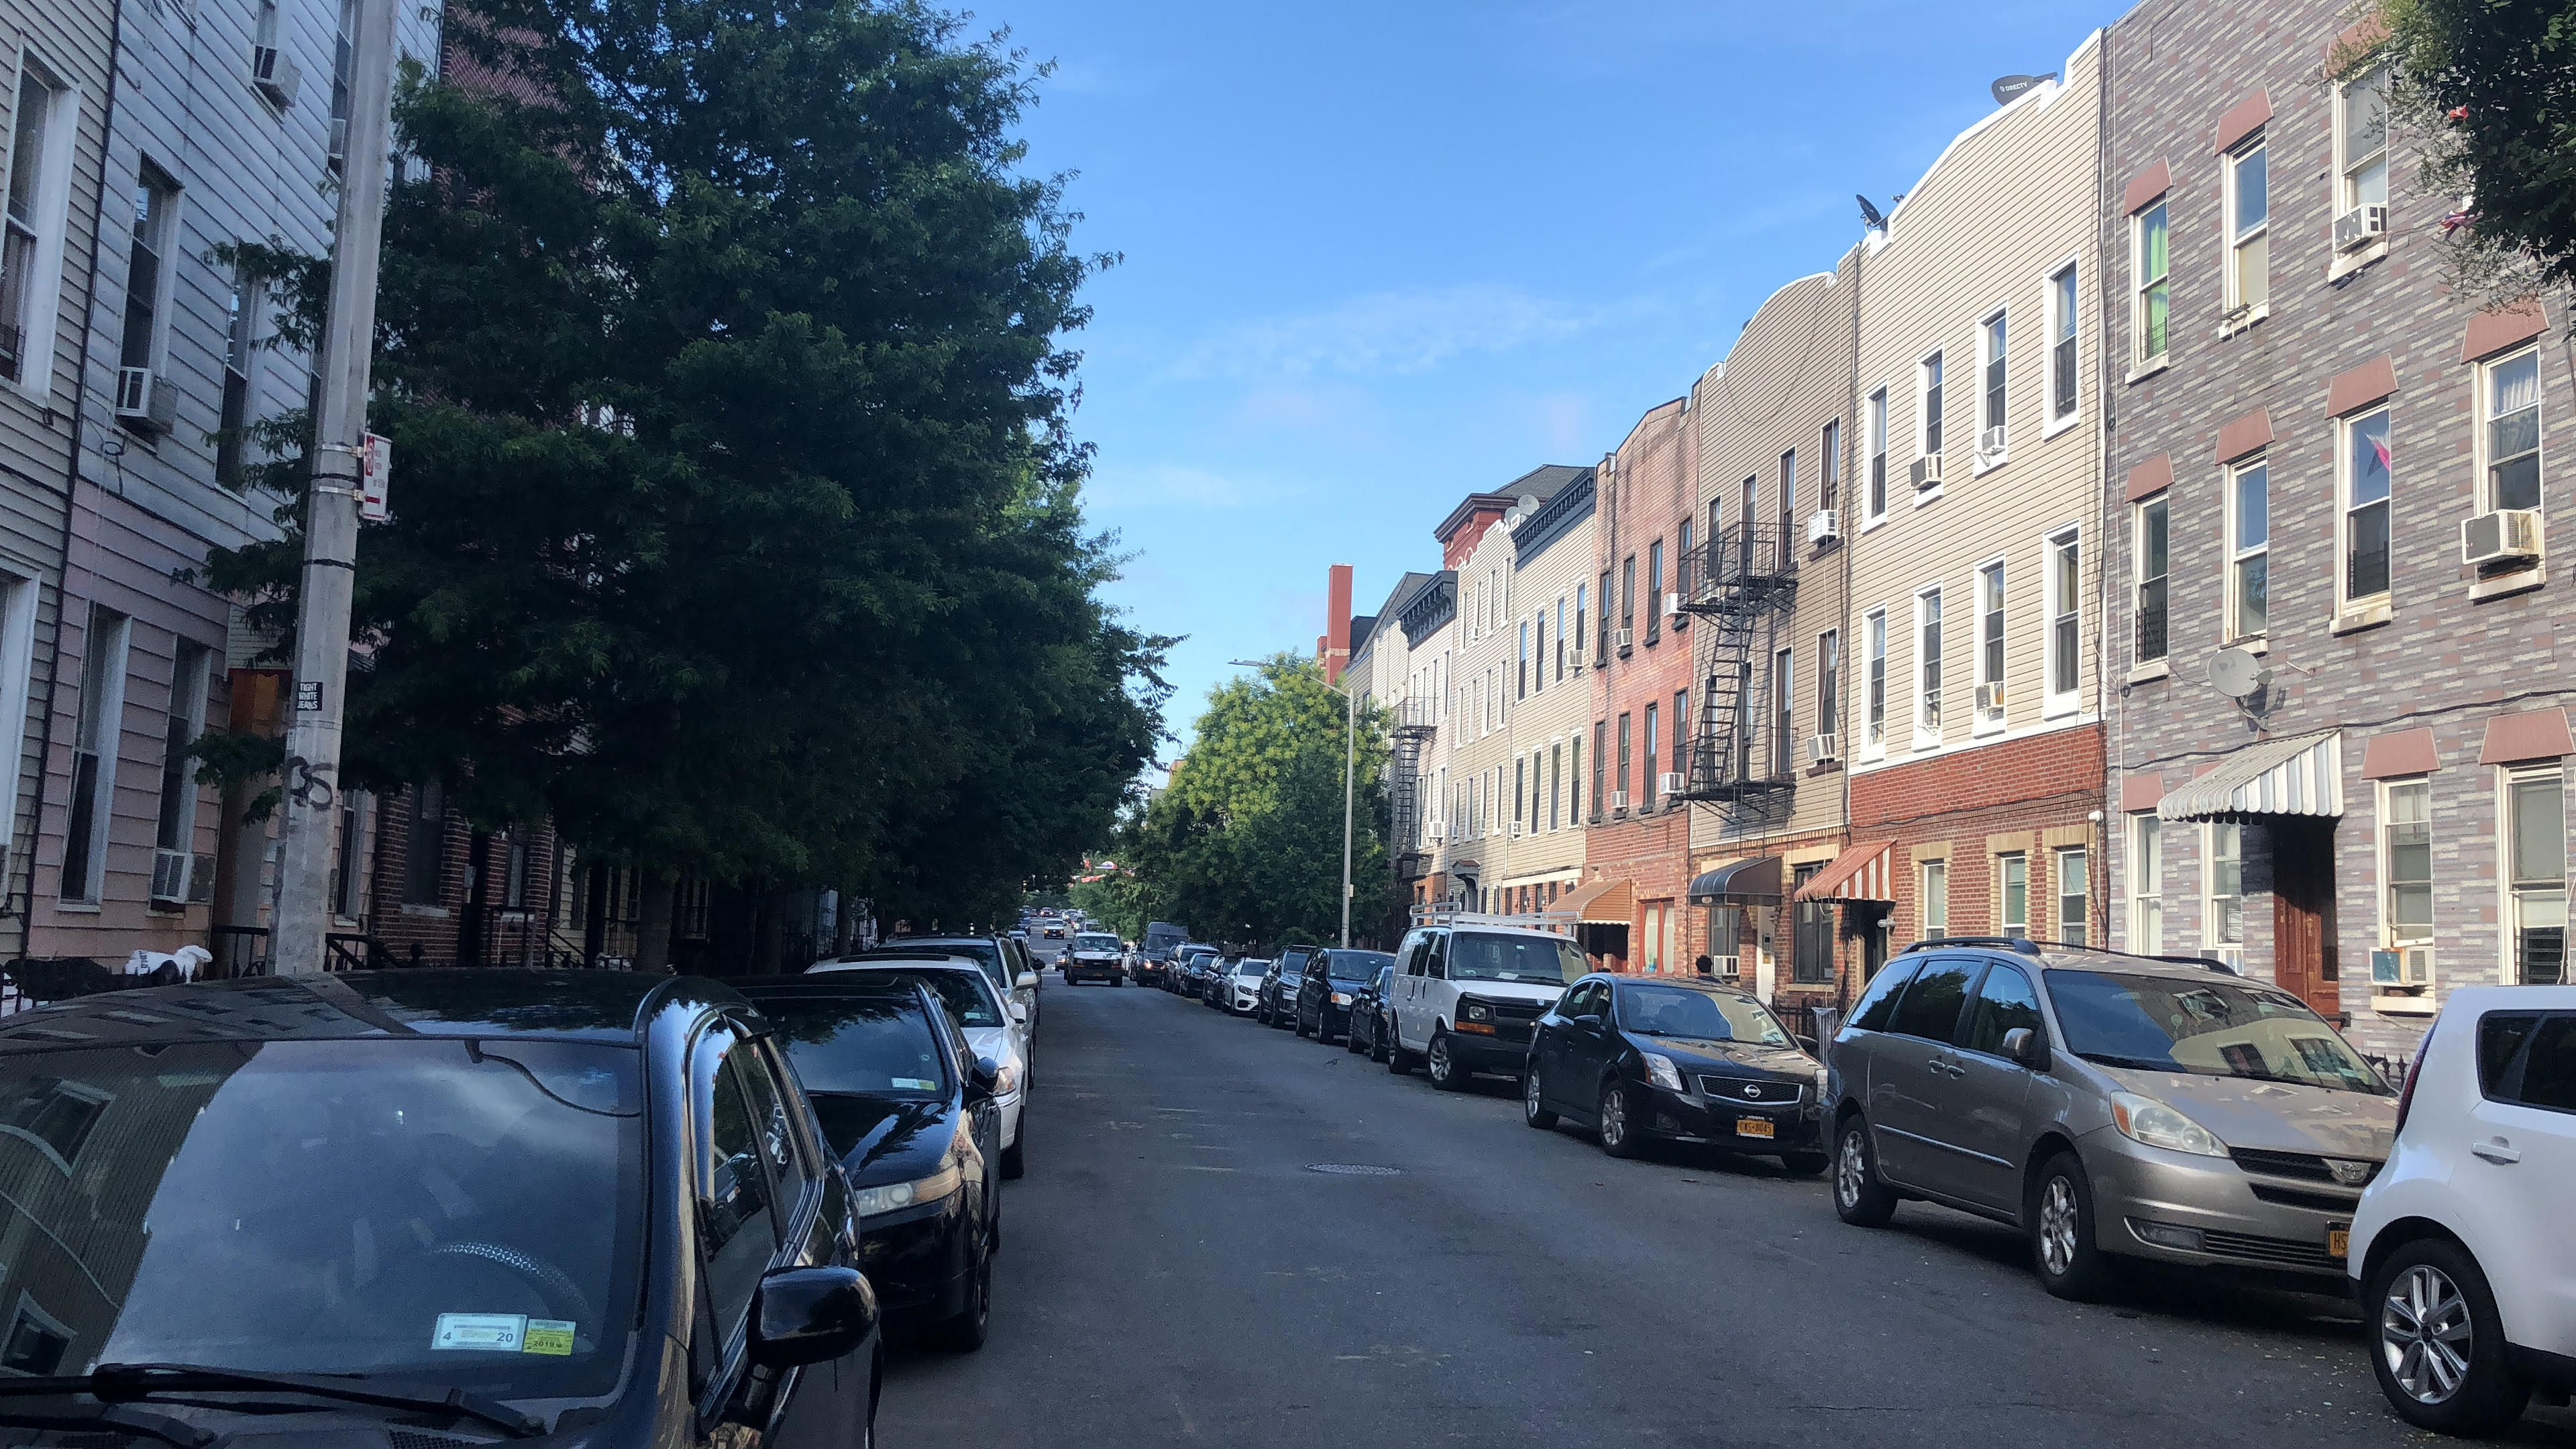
1190	1260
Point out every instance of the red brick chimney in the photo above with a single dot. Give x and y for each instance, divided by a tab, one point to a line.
1336	643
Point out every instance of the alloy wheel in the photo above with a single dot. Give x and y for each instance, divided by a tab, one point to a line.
1529	1094
2058	1217
2425	1334
1851	1168
1614	1119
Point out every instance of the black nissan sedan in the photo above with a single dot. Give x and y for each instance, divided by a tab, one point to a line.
1334	979
910	1109
588	1207
1664	1057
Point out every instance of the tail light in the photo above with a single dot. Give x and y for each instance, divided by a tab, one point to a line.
2414	1069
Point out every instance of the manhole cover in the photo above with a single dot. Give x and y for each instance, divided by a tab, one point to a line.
1352	1169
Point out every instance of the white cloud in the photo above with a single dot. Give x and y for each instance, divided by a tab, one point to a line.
1385	332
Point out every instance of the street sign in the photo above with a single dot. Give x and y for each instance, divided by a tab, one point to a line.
308	694
375	467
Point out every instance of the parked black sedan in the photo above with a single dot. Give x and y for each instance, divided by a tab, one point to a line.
478	1203
909	1107
1372	1014
1333	981
1279	988
1641	1058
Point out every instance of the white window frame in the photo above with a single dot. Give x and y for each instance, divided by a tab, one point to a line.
1925	419
2005	861
2391	935
2518	897
2075	862
2347	192
167	230
2213	938
1783	722
1830	704
1987	409
2487	501
110	693
1874	481
2140	579
1930	874
2065	618
2237	241
2233	627
17	665
2347	602
1874	684
1927	711
2142	288
48	225
2056	317
1993	599
2146	883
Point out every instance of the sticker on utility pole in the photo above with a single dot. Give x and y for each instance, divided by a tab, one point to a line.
375	465
308	694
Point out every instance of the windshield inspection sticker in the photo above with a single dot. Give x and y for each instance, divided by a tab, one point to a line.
488	1332
916	1084
549	1335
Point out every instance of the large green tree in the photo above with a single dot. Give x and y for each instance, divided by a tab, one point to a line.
1246	845
2489	86
736	516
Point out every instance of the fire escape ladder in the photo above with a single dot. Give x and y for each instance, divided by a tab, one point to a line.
1412	735
1740	586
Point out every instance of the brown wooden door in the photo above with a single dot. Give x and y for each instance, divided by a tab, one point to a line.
2303	915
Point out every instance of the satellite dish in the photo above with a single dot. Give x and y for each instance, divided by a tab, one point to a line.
2236	672
2011	88
1512	519
1529	504
1869	216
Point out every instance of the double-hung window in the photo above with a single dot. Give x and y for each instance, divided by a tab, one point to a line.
240	334
2249	549
2074	901
31	230
1523	663
2361	143
2512	434
1935	898
1927	667
1556	785
2222	916
1579	632
2367	479
1788	509
2536	847
95	740
1830	488
1628	596
1600	755
2151	301
2063	311
1654	591
1829	683
1927	392
2146	883
1679	729
2406	849
156	206
1683	583
1620	799
2249	229
1653	742
176	825
2065	621
1538	675
2151	561
2012	873
1784	740
1874	657
1992	438
1990	644
1876	506
1560	631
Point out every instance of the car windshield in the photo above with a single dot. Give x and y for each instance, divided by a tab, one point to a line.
1090	941
1680	1011
975	948
2211	1027
1252	968
340	1207
880	1046
1355	965
968	996
1535	959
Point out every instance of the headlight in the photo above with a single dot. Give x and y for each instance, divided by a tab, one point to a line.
2146	1120
1478	1011
1007	1080
1661	1072
1341	998
1824	1081
869	1201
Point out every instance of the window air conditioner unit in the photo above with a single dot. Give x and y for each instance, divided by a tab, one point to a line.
276	74
1824	526
1513	831
2404	966
1821	748
1669	782
1623	641
1990	442
1618	799
1673	604
1927	471
170	872
145	400
1574	656
2360	227
339	140
2509	533
1990	701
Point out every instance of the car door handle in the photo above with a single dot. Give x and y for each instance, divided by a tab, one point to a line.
2497	1151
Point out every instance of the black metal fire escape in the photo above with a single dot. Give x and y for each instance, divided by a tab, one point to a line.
1739	588
1413	731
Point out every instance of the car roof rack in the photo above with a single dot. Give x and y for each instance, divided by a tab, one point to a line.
2022	945
1442	915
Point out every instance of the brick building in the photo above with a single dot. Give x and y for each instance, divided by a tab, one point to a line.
2340	741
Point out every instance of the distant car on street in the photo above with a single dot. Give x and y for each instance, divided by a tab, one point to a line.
1646	1058
990	1025
1372	1014
1014	974
1240	990
1334	978
1467	989
2461	1255
1095	956
2111	1107
1279	989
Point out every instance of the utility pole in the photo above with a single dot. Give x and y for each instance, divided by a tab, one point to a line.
1350	754
298	938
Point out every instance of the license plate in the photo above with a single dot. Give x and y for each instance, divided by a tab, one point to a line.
1753	1127
2338	1241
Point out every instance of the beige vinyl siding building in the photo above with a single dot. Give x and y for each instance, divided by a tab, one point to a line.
1549	693
1976	749
1480	754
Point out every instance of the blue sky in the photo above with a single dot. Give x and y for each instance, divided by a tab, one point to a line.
1378	256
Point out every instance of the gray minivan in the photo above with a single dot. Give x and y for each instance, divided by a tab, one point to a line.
2110	1106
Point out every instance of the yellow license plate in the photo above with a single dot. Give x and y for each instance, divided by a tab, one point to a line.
1753	1127
2338	1242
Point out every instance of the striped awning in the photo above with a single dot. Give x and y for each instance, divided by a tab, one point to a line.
1859	874
2301	775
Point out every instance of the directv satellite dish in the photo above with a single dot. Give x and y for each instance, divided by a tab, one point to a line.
2011	88
1869	216
2236	673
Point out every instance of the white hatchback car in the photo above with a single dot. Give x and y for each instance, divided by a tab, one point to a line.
2462	1252
993	1028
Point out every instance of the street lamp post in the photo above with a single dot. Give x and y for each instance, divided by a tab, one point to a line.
1350	762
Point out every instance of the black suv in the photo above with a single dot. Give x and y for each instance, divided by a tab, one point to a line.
537	1203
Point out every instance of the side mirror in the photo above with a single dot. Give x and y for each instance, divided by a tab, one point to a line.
1020	1012
1806	1044
808	1315
2024	1046
984	1076
1028	981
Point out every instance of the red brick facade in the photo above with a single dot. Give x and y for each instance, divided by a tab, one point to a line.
2036	797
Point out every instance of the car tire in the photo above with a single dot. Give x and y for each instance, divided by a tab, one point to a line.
1398	1060
1351	1038
1301	1024
2062	1247
1441	1067
1531	1112
1860	1198
1806	1164
1015	1158
2427	1302
1614	1127
1380	1042
966	1332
